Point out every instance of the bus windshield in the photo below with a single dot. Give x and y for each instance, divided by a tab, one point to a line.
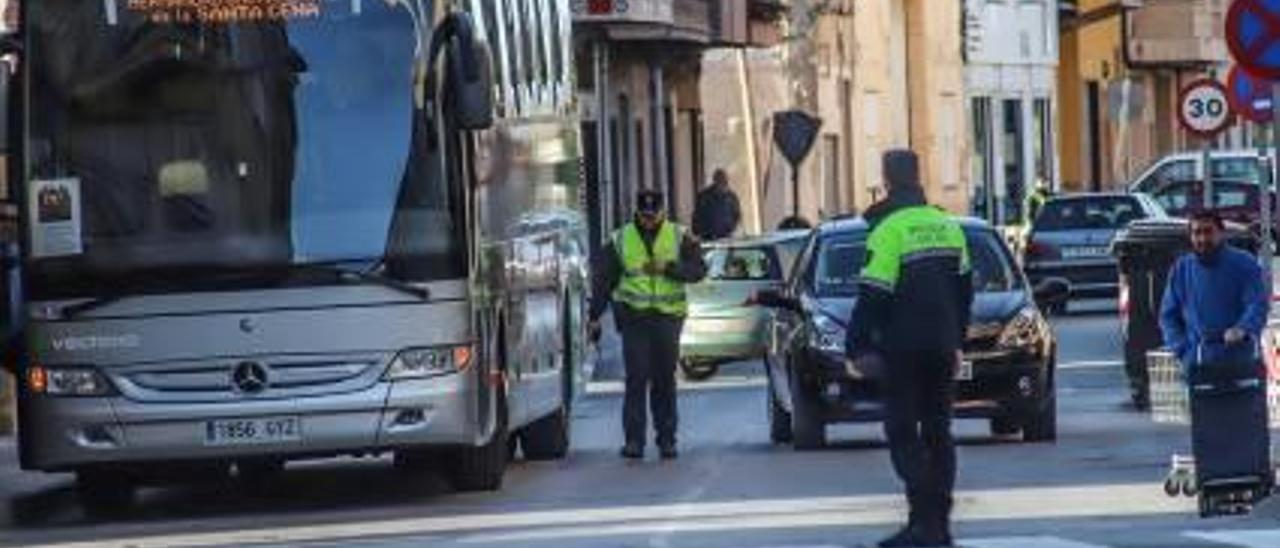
172	138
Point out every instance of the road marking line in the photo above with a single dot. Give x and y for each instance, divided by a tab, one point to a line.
1025	542
1028	503
1091	364
724	383
1254	538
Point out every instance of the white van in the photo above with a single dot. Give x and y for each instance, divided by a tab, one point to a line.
1236	165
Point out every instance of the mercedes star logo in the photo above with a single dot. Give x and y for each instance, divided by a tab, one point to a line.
249	378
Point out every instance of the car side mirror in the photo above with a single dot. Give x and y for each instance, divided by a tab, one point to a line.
1051	293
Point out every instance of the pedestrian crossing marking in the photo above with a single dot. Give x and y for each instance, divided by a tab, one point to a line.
1025	542
1244	538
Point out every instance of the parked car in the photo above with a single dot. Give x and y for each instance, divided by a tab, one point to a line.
1239	165
1071	240
1008	373
720	329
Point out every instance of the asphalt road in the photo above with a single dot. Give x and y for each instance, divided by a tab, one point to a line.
1098	486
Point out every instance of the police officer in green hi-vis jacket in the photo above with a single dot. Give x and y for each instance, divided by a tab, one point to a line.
643	271
912	313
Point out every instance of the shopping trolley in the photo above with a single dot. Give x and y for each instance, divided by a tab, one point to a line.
1171	403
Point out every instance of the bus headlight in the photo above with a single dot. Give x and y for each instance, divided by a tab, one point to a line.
420	363
67	381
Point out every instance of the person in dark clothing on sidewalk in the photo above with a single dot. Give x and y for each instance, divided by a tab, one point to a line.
1216	294
912	313
643	273
717	212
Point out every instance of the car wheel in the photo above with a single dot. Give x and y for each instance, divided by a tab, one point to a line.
1004	426
481	468
105	493
1042	426
779	418
809	430
698	371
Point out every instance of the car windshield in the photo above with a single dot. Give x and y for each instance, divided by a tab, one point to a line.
840	258
1110	212
180	138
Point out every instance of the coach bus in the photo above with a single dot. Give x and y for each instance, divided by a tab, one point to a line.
259	231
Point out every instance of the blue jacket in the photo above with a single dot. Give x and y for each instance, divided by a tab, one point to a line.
1205	298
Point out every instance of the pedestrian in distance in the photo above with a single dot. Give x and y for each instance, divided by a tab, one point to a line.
915	294
643	272
1216	297
1035	202
717	212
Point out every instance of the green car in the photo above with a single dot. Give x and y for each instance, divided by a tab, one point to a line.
720	329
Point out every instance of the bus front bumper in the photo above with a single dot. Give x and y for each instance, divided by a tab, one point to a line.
84	432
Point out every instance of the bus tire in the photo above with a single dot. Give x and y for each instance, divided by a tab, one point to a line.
105	493
481	468
547	438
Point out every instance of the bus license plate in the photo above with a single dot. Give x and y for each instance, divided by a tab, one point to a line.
965	371
253	431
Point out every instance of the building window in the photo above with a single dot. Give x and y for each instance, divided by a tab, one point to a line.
1015	171
1043	144
831	175
983	177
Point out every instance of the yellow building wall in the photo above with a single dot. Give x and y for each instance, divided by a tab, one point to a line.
936	76
1091	52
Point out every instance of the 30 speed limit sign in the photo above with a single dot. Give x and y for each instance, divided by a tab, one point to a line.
1204	108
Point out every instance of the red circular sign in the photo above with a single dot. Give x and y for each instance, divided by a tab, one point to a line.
1253	37
1204	108
1250	96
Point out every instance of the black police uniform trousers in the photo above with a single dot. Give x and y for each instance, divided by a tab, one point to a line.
919	391
650	350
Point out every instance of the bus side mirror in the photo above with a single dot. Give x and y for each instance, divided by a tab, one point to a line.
470	77
10	50
472	94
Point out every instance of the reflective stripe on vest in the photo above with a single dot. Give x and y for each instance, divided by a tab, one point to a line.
643	292
909	235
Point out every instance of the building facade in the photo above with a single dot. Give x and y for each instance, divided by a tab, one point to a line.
885	74
639	73
1123	66
1011	50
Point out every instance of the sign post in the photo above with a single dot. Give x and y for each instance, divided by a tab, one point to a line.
1253	37
1204	111
794	131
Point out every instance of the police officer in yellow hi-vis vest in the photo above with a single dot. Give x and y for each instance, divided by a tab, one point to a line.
643	272
912	313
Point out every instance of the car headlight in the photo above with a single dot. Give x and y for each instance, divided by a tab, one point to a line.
67	381
1026	330
421	363
827	336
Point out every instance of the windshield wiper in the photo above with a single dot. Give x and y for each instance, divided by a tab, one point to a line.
371	276
344	275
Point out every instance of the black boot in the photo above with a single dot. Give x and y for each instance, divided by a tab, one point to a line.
904	538
632	451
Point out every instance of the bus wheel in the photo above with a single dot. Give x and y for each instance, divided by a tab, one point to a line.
548	437
105	493
481	468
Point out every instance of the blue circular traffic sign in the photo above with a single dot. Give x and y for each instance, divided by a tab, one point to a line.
1250	96
1253	36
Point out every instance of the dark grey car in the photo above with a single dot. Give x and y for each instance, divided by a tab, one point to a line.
1071	239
